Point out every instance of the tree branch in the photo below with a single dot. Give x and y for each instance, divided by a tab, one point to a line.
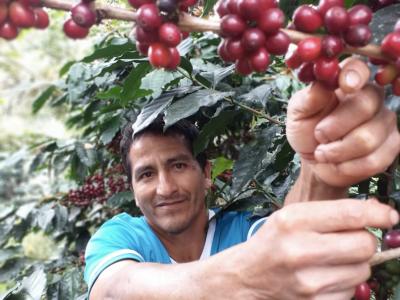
384	256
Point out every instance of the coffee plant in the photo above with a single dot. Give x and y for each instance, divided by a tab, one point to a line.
232	76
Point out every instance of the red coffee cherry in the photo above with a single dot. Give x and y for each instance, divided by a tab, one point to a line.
386	74
243	66
336	20
358	35
271	20
249	9
83	15
169	34
139	3
232	26
377	61
253	39
222	8
159	55
306	73
307	19
324	5
293	60
259	60
333	82
396	86
143	48
223	52
278	43
175	59
392	238
20	15
360	14
331	46
309	49
8	30
326	68
146	36
74	31
235	48
3	12
233	7
168	6
148	16
267	4
390	45
363	292
41	18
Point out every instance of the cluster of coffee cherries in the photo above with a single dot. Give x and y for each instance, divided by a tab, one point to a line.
316	58
20	14
251	32
156	32
83	16
98	188
389	73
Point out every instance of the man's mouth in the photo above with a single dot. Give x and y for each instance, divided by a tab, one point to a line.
170	203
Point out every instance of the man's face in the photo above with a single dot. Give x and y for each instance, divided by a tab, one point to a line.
168	183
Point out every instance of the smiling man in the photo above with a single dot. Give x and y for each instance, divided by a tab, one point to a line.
316	247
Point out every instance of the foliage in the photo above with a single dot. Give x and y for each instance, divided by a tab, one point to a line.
241	122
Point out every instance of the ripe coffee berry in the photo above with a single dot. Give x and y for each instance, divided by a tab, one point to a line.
3	12
148	16
386	74
169	34
159	55
74	31
175	59
307	19
20	15
8	30
358	35
232	26
324	5
259	60
142	48
336	20
392	239
331	46
306	73
267	4
243	66
235	48
167	6
249	9
41	18
326	68
83	15
309	49
271	20
278	43
146	36
293	60
233	7
363	292
223	52
390	45
360	14
253	39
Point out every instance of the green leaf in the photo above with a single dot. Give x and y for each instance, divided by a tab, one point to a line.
65	68
219	165
35	284
118	47
208	6
215	76
112	126
43	97
87	156
112	93
157	79
131	85
186	65
78	170
259	95
185	46
120	199
191	103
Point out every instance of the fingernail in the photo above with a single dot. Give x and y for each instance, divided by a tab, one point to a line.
394	217
320	156
320	136
352	78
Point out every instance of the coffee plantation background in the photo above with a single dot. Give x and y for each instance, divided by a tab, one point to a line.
58	186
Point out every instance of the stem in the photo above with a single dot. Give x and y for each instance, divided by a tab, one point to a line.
191	23
384	256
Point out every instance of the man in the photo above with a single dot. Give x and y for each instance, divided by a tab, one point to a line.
307	250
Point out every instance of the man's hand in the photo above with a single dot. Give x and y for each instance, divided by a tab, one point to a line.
347	135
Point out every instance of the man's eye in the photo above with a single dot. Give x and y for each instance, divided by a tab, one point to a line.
179	166
146	175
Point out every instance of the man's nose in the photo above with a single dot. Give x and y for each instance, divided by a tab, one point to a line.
166	185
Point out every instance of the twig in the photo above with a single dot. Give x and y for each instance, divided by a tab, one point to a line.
383	256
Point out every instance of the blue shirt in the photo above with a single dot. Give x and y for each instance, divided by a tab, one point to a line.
127	237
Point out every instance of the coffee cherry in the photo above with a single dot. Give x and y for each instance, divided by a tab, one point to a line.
3	12
325	5
83	15
396	86
293	60
358	35
386	74
222	8
143	48
360	14
146	36
232	26
278	43
363	292
167	6
74	31
175	59
8	30
253	39
148	16
267	4
235	48
336	20
331	46
223	53
397	64
259	60
333	82
377	61
139	3
233	7
325	68
306	73
249	9
271	20
35	3
390	45
243	66
392	238
309	49
169	34
22	16
41	18
159	55
307	19
188	3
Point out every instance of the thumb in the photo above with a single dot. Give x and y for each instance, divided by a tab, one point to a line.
353	76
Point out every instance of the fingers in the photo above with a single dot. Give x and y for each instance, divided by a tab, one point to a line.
357	109
341	295
333	216
353	76
360	142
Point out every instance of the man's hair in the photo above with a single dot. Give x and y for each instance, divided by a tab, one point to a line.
182	128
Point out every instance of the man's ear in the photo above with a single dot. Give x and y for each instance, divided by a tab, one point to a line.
207	174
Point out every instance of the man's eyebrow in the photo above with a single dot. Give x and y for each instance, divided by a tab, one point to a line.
179	157
142	169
